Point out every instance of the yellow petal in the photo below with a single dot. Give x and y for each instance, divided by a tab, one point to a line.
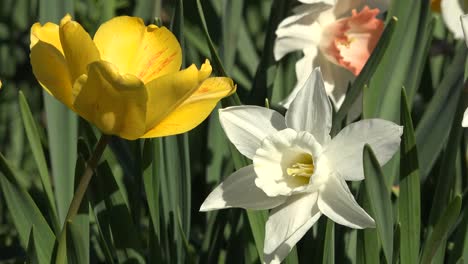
49	33
195	109
115	103
78	47
146	52
50	68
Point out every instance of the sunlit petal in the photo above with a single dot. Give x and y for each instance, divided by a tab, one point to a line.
239	190
336	202
147	52
115	103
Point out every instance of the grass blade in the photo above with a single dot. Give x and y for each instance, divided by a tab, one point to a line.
379	199
409	211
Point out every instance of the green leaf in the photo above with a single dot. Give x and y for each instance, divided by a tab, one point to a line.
266	70
432	132
329	247
439	234
113	217
26	215
368	243
32	256
62	123
232	14
38	153
379	199
409	211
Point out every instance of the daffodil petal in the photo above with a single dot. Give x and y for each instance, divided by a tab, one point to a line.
287	224
337	203
48	33
247	126
50	68
344	152
115	103
295	32
465	118
78	47
195	109
451	12
144	51
464	23
311	110
239	190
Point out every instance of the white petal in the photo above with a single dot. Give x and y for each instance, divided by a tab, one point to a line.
277	153
247	126
303	70
328	2
299	31
465	118
287	224
336	79
337	203
239	190
311	110
451	12
464	23
344	152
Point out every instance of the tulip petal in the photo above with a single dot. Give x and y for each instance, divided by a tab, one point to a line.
167	93
247	126
146	52
78	47
287	224
311	110
239	190
195	109
451	12
336	201
49	33
115	103
50	68
344	152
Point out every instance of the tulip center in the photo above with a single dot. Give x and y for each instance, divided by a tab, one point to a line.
348	42
303	167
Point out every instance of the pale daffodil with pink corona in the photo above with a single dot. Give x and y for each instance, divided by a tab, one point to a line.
298	171
336	35
464	23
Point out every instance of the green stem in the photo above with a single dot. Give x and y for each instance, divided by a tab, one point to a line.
86	178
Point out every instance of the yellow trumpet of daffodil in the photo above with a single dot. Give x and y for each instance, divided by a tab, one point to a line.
127	79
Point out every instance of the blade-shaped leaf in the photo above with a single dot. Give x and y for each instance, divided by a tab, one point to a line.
409	211
379	199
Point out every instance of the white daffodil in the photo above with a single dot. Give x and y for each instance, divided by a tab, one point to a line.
298	171
451	10
464	24
336	35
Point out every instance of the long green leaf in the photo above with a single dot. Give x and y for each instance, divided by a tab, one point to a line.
441	229
409	211
431	132
379	198
38	153
26	215
62	123
329	247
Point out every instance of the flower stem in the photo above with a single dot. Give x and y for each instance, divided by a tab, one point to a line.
86	178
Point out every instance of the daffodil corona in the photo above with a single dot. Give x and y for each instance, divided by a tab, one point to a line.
127	79
336	35
298	171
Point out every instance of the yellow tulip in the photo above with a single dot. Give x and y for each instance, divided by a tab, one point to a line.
127	79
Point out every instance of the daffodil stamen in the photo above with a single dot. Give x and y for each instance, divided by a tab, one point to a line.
301	170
